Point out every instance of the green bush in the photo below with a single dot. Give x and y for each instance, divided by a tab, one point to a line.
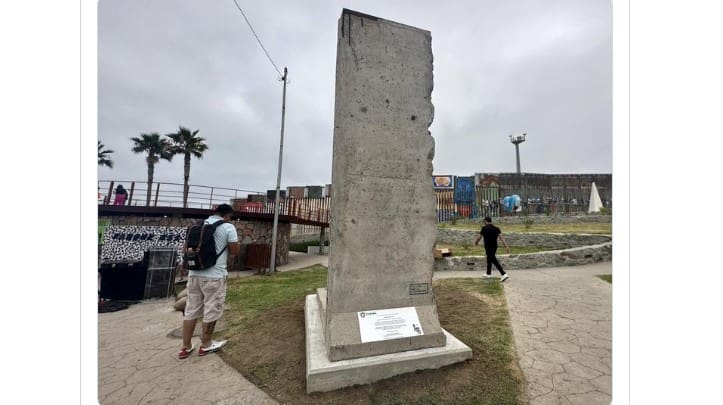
528	223
301	247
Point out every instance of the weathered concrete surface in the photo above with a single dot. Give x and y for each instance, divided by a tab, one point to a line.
138	363
383	226
325	375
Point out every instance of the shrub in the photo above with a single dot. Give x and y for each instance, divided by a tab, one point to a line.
528	223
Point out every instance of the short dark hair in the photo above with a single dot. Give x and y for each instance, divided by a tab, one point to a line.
224	209
488	219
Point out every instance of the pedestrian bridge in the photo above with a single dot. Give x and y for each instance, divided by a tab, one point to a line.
166	200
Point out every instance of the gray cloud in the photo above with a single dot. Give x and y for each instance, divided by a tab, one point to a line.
544	67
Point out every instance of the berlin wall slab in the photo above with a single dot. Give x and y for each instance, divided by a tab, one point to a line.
377	317
382	227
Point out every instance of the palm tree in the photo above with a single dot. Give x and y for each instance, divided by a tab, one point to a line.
186	143
103	156
156	148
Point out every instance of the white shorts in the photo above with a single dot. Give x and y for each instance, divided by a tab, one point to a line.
205	298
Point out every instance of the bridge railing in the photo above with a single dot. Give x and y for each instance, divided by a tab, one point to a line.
165	194
207	197
308	209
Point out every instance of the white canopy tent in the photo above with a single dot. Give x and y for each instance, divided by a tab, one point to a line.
595	203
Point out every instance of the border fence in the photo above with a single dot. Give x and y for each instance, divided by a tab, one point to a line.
481	195
471	197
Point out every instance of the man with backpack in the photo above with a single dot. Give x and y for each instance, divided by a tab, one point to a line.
207	274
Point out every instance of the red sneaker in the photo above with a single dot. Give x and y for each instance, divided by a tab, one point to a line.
186	352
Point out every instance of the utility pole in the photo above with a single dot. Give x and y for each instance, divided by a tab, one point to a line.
274	234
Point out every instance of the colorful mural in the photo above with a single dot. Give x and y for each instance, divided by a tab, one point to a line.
443	181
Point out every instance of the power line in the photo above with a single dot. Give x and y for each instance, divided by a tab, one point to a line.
257	38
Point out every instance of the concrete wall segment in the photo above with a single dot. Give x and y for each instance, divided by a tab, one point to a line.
383	226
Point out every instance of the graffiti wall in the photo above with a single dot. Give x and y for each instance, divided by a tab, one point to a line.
128	242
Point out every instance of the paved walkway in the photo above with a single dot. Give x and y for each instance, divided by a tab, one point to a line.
561	319
138	364
562	323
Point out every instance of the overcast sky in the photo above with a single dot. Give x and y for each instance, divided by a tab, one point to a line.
500	68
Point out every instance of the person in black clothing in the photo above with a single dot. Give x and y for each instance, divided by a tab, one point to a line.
490	233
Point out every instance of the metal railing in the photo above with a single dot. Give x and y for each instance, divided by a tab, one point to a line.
207	197
308	209
167	194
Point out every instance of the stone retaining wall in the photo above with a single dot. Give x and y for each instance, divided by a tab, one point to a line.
556	258
570	250
308	238
548	240
560	218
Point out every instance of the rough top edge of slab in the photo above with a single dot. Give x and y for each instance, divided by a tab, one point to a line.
371	17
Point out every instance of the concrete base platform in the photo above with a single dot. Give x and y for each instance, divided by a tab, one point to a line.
325	375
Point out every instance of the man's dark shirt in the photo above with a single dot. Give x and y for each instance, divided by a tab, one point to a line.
489	234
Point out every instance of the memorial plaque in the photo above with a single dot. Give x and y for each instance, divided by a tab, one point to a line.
419	288
385	324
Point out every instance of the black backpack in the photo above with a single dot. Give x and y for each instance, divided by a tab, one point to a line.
199	251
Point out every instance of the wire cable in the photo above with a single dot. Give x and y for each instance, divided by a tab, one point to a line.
257	38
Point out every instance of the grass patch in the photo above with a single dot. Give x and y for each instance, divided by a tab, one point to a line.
596	228
266	344
606	277
250	296
479	250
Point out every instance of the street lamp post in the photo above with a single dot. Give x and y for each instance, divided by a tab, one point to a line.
517	140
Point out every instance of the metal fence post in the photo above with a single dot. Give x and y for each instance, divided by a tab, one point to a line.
110	192
130	196
158	188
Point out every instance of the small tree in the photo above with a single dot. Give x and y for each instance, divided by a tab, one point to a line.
157	149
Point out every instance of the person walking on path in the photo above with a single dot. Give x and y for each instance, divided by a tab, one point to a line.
207	288
491	233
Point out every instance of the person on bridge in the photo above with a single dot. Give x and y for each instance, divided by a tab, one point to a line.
120	195
207	288
491	233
